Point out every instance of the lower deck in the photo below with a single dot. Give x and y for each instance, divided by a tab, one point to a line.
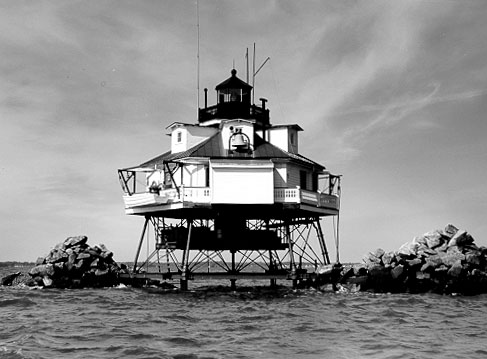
159	279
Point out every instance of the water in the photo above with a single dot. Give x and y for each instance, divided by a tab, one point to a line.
253	322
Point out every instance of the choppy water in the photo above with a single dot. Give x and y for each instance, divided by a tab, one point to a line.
250	323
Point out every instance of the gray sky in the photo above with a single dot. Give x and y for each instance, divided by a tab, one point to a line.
391	94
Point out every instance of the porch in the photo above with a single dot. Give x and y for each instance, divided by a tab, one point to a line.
203	195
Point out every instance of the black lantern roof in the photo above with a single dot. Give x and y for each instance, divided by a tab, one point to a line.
233	82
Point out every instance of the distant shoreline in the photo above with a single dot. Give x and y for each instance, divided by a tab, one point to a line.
16	264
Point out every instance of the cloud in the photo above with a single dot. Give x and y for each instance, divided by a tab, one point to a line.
388	62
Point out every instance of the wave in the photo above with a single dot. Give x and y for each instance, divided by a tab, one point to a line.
17	302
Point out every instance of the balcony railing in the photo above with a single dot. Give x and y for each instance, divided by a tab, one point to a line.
297	195
203	195
234	110
167	196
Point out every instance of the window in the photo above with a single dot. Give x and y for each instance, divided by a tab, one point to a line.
314	185
291	138
167	179
303	179
179	137
207	176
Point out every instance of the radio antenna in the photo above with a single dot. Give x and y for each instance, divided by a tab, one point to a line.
247	60
198	58
253	77
254	73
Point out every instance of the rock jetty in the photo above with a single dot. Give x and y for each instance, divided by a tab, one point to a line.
73	264
442	261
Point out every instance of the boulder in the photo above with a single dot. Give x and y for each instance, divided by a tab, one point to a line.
388	258
100	272
426	252
449	231
442	248
57	256
379	272
421	240
473	258
72	258
83	256
427	267
456	269
79	265
460	238
414	262
378	253
397	271
75	241
408	249
449	259
371	260
454	250
47	281
106	254
8	280
42	270
433	239
360	271
371	257
422	275
434	261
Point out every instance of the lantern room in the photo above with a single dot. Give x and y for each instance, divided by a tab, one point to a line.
233	90
233	101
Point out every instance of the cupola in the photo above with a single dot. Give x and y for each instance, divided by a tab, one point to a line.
233	102
233	90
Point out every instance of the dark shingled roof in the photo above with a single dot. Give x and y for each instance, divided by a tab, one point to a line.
208	148
212	148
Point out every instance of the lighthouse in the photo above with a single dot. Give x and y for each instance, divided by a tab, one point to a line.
232	199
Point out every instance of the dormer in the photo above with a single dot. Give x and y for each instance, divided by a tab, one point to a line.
285	137
185	136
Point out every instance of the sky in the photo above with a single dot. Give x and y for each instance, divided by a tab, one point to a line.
392	95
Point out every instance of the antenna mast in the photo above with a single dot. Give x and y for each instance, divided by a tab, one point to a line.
254	73
198	59
253	77
247	60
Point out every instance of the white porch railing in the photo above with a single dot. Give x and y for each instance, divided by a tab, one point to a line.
287	195
167	196
297	195
196	194
203	195
143	200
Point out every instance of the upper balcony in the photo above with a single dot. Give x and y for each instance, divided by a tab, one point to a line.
232	110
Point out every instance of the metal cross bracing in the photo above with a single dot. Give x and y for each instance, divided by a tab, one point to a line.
186	249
